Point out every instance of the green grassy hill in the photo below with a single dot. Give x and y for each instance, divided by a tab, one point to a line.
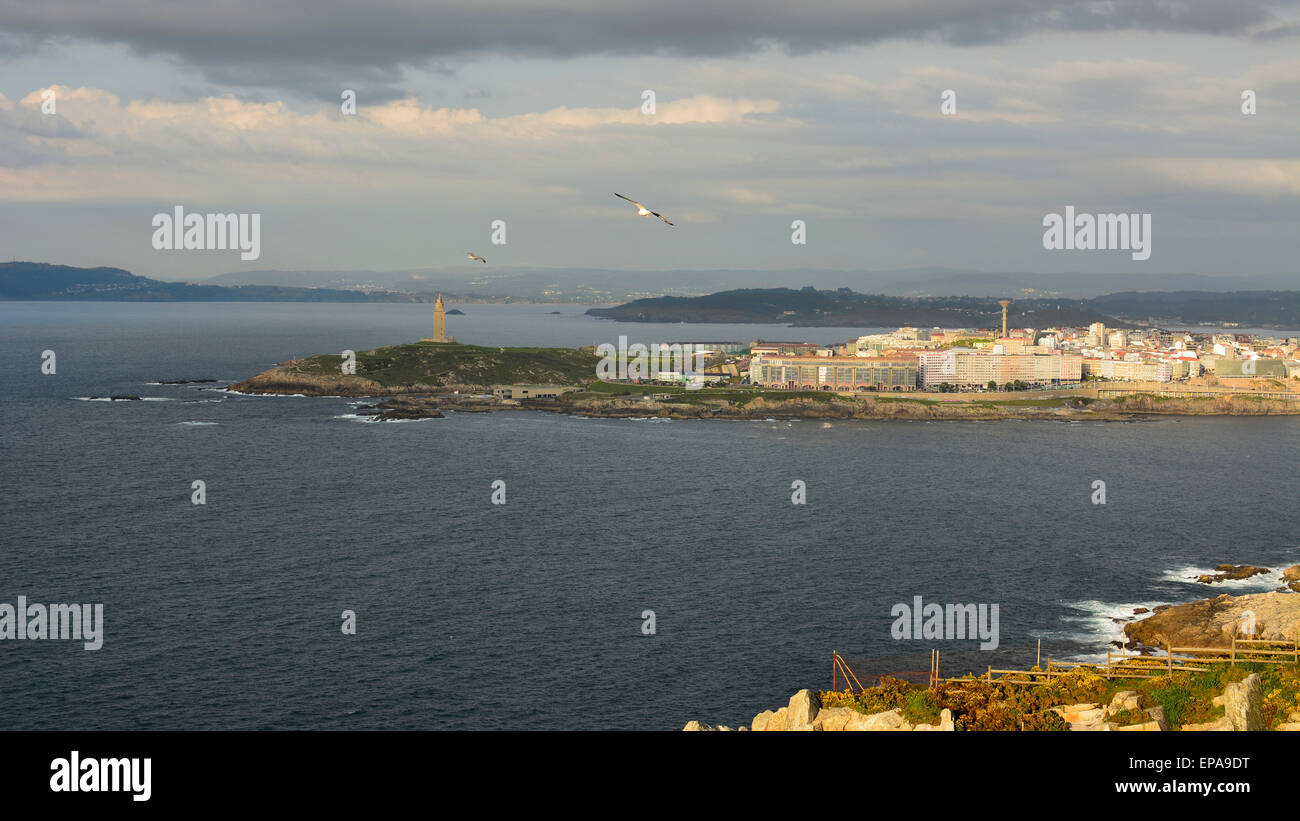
431	363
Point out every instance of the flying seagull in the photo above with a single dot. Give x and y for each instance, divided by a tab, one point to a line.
641	210
470	254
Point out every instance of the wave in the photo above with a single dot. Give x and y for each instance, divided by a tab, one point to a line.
259	395
370	418
1094	623
1187	574
197	423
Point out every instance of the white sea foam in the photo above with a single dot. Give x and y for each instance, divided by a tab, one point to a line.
1187	575
260	395
1093	622
197	423
369	418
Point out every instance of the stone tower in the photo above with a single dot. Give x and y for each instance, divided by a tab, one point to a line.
439	320
439	323
1004	303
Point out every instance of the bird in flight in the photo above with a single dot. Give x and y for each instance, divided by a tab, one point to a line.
470	254
641	210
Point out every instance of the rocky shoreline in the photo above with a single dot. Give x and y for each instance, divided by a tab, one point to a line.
1208	623
429	401
1275	616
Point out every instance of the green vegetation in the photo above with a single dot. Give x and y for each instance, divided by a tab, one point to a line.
432	363
1049	402
906	398
1187	697
739	395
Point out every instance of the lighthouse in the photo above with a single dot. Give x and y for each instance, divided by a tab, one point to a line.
439	323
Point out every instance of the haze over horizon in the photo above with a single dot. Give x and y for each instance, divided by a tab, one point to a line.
828	113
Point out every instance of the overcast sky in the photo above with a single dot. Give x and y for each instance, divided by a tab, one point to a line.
767	112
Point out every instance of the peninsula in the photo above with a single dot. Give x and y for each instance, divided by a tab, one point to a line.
424	378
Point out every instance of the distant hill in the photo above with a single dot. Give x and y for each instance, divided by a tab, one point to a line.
42	281
1258	309
809	307
602	285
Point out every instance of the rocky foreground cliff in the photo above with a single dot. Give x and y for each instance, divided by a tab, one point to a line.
1195	695
1242	706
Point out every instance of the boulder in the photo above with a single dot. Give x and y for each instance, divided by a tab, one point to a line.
1291	574
1218	725
1157	714
1079	713
945	723
1148	727
695	727
1124	700
802	709
834	719
888	720
1243	704
769	720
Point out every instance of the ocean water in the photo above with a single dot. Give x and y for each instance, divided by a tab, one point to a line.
528	615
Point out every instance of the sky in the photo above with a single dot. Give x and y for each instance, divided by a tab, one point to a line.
765	113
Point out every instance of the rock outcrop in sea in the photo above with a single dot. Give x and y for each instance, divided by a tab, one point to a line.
1213	622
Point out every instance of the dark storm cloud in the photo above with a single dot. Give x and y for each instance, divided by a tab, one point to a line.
287	44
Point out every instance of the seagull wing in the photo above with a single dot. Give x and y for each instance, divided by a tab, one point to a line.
661	216
629	199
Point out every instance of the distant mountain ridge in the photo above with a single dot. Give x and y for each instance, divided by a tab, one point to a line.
810	307
43	281
602	285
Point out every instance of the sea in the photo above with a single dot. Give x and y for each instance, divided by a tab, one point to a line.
640	574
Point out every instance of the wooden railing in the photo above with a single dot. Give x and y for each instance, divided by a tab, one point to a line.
1117	665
